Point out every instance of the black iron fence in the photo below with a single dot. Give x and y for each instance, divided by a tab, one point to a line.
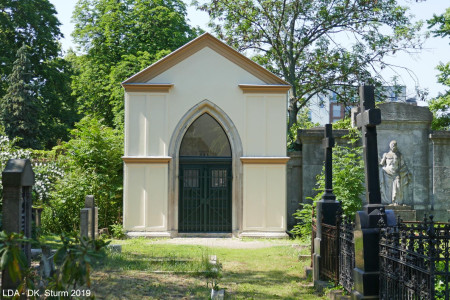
346	254
414	260
313	237
329	253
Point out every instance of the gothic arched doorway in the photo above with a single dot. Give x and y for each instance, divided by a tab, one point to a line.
205	178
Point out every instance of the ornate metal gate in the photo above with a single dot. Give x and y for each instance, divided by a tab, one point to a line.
205	195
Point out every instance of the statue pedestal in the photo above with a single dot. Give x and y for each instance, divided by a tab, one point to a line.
406	212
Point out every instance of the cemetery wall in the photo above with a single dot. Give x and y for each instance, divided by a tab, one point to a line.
440	200
426	155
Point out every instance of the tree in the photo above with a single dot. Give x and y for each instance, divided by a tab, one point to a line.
316	45
440	105
19	105
34	23
120	38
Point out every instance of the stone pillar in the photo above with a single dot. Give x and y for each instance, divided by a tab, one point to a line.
37	213
89	219
312	160
294	186
17	180
440	202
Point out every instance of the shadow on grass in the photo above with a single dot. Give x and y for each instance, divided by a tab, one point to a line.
266	285
137	285
238	285
138	262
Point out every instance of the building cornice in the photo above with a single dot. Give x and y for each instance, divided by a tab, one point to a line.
146	159
147	87
264	88
265	160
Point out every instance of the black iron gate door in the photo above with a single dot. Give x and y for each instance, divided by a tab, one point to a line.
205	196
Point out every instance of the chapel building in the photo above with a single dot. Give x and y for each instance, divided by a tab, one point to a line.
205	145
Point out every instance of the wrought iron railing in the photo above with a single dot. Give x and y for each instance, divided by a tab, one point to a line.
346	254
329	255
414	260
313	237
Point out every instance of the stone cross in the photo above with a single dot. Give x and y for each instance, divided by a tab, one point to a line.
327	207
89	218
368	118
328	144
366	234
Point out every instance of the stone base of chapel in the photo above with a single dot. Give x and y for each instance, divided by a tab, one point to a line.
264	234
150	234
174	234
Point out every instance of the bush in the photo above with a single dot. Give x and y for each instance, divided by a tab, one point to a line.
93	166
46	168
117	231
348	185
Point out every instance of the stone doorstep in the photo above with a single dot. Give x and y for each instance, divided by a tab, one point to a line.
264	235
304	257
338	295
308	273
248	234
321	286
148	234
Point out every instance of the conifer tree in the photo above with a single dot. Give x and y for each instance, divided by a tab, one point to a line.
19	114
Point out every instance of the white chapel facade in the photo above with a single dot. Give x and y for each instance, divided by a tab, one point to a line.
205	145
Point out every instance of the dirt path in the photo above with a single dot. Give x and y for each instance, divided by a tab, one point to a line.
231	243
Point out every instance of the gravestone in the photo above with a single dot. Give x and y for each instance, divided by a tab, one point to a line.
37	215
327	207
89	219
17	180
366	234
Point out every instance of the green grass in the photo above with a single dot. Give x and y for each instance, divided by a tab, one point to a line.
145	270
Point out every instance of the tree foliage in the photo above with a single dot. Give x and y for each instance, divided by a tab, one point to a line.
348	184
315	45
118	39
34	23
440	106
19	106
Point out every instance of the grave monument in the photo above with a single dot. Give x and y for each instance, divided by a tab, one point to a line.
366	234
327	206
89	219
17	180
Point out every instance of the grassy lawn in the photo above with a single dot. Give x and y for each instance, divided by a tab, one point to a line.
149	270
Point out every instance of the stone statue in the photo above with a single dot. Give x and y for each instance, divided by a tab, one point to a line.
395	176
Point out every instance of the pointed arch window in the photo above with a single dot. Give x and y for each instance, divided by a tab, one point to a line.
205	137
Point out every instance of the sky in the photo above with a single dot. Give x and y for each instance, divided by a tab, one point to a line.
423	65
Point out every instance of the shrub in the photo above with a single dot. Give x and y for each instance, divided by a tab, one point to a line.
348	185
117	231
46	168
93	166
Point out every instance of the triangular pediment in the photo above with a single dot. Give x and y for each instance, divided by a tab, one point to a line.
205	40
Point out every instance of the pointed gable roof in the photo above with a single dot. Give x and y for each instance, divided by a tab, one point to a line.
205	40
